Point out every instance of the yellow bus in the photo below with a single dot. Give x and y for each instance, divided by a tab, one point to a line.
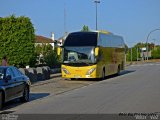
92	55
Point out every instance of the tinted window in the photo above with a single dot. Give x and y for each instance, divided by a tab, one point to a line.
10	72
16	72
110	41
117	41
104	40
81	39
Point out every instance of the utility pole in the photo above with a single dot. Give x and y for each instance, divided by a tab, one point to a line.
137	54
96	2
131	55
65	26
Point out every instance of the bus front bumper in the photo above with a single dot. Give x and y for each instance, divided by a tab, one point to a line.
79	72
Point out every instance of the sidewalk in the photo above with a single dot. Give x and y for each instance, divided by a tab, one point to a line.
57	85
142	62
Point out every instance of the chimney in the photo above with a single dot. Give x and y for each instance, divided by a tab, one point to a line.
52	36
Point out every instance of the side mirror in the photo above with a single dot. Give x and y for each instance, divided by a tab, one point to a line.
96	51
1	76
8	77
59	51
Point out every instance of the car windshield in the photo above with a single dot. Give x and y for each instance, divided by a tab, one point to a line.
83	55
1	73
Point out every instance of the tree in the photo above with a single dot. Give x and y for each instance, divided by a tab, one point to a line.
126	48
156	53
142	45
85	28
134	54
46	55
17	40
51	59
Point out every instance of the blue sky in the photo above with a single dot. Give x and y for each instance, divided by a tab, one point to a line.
132	19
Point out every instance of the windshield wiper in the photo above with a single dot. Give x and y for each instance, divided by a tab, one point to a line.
83	62
77	61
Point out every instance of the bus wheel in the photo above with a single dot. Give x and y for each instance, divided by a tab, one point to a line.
118	70
103	74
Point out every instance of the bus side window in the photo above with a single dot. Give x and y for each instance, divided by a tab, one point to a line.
100	42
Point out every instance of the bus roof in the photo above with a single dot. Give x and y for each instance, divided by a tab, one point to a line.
104	31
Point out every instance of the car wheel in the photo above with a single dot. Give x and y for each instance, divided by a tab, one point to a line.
25	97
1	100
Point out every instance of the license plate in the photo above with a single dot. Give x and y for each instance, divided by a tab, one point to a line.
77	76
88	76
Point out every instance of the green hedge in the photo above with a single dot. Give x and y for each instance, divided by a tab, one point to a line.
134	54
156	53
17	40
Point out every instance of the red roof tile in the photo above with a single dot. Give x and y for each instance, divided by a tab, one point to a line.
41	39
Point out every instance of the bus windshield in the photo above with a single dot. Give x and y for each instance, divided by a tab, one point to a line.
79	55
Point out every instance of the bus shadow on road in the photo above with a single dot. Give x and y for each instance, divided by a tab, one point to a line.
17	102
124	72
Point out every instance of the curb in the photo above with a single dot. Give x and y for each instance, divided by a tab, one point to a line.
39	83
55	70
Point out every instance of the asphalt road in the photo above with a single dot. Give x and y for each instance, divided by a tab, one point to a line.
135	90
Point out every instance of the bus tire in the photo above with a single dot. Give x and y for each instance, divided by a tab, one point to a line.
118	70
103	74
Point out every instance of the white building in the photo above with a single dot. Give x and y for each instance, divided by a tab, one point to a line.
43	40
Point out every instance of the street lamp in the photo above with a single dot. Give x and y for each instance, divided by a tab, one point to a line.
96	2
148	38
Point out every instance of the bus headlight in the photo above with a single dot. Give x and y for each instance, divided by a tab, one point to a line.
65	71
90	71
